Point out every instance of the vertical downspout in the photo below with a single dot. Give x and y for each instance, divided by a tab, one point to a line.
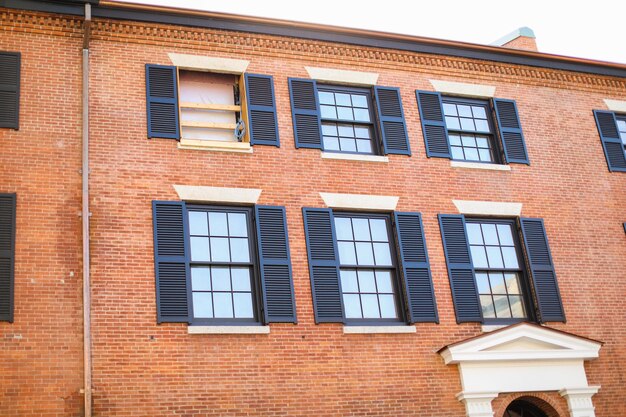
85	217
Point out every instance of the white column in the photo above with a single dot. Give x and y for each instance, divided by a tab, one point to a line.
579	401
477	404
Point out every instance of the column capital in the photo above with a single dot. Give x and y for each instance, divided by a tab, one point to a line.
579	400
477	404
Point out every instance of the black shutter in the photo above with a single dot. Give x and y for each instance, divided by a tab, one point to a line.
418	283
433	124
460	268
7	255
611	142
275	265
162	102
10	89
262	110
306	113
392	125
171	261
321	245
542	270
510	131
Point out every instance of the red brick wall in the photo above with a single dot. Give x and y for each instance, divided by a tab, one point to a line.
141	368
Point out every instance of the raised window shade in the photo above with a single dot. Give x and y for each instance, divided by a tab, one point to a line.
209	105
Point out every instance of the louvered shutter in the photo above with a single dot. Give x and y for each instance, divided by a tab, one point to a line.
611	142
10	89
171	262
510	131
319	230
542	270
162	102
263	124
7	255
391	117
306	113
275	265
433	124
420	296
460	268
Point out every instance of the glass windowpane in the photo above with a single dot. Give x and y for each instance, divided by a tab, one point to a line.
243	305
457	152
485	155
344	113
349	281
364	146
240	279
352	306
489	234
501	303
487	304
464	111
479	112
474	235
221	278
329	130
223	305
387	306
366	281
449	109
202	305
219	249
346	131
217	224
237	225
362	115
479	258
467	124
495	257
347	255
455	140
382	254
482	126
471	154
505	234
469	141
452	123
370	306
378	228
347	145
199	248
383	282
361	229
512	284
343	99
331	144
200	279
198	223
326	97
239	250
510	257
364	253
362	132
482	282
497	283
359	101
517	306
482	142
328	112
343	228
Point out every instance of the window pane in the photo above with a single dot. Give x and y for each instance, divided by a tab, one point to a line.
352	306
478	257
331	144
452	123
370	306
474	234
364	146
241	279
348	145
387	306
502	306
328	112
457	153
202	305
198	223
200	279
199	249
243	305
346	131
326	98
343	228
237	224
382	254
482	282
366	281
449	109
344	113
364	253
517	307
482	142
489	233
512	285
505	235
485	155
467	124
362	115
359	100
219	249
510	258
479	112
482	125
471	154
464	111
346	253
383	282
343	99
348	281
455	140
361	229
494	256
378	228
239	250
362	132
329	130
487	305
217	224
497	283
223	305
469	141
221	278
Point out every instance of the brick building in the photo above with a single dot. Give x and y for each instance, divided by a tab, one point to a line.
397	226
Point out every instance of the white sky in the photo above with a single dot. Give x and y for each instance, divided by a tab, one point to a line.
581	28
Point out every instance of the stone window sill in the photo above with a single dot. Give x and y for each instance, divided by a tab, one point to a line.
228	329
378	329
354	157
479	165
214	145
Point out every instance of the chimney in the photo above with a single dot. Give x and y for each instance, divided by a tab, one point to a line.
522	38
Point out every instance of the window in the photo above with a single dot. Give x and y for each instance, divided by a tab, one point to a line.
498	268
347	120
213	267
222	267
621	128
612	129
367	269
470	130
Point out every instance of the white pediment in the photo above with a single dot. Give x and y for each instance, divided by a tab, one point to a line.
522	342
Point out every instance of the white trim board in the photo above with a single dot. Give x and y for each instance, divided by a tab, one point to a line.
217	194
360	201
463	89
209	63
488	208
342	76
615	105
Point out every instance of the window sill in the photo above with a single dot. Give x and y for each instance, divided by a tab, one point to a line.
354	157
214	145
228	329
479	165
378	329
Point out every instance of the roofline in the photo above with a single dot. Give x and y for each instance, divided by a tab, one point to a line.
108	9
